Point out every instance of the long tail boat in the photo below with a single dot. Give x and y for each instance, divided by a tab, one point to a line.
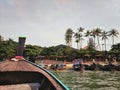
18	72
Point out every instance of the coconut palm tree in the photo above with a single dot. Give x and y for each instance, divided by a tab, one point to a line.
113	33
97	32
93	34
104	35
77	44
76	39
80	30
87	34
68	37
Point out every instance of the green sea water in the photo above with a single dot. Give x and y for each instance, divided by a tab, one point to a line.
90	80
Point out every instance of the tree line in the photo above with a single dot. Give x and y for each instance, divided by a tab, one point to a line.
92	35
8	48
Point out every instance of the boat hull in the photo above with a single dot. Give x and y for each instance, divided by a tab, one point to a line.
25	72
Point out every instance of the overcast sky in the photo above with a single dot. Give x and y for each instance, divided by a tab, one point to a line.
44	22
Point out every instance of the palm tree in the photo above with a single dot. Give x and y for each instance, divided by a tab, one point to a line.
104	37
68	37
76	39
97	32
93	34
88	34
113	33
80	30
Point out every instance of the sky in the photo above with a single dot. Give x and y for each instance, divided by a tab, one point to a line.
44	22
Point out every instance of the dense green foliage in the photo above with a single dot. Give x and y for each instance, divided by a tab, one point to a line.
8	49
116	47
32	50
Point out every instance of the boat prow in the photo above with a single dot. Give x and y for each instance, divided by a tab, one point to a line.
13	73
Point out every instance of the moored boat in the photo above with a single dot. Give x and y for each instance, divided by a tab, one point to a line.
58	66
61	66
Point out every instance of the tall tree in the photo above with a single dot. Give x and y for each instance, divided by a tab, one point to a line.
104	37
98	34
88	34
80	30
113	33
93	34
68	37
76	39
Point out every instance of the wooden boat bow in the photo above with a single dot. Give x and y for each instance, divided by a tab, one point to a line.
23	71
